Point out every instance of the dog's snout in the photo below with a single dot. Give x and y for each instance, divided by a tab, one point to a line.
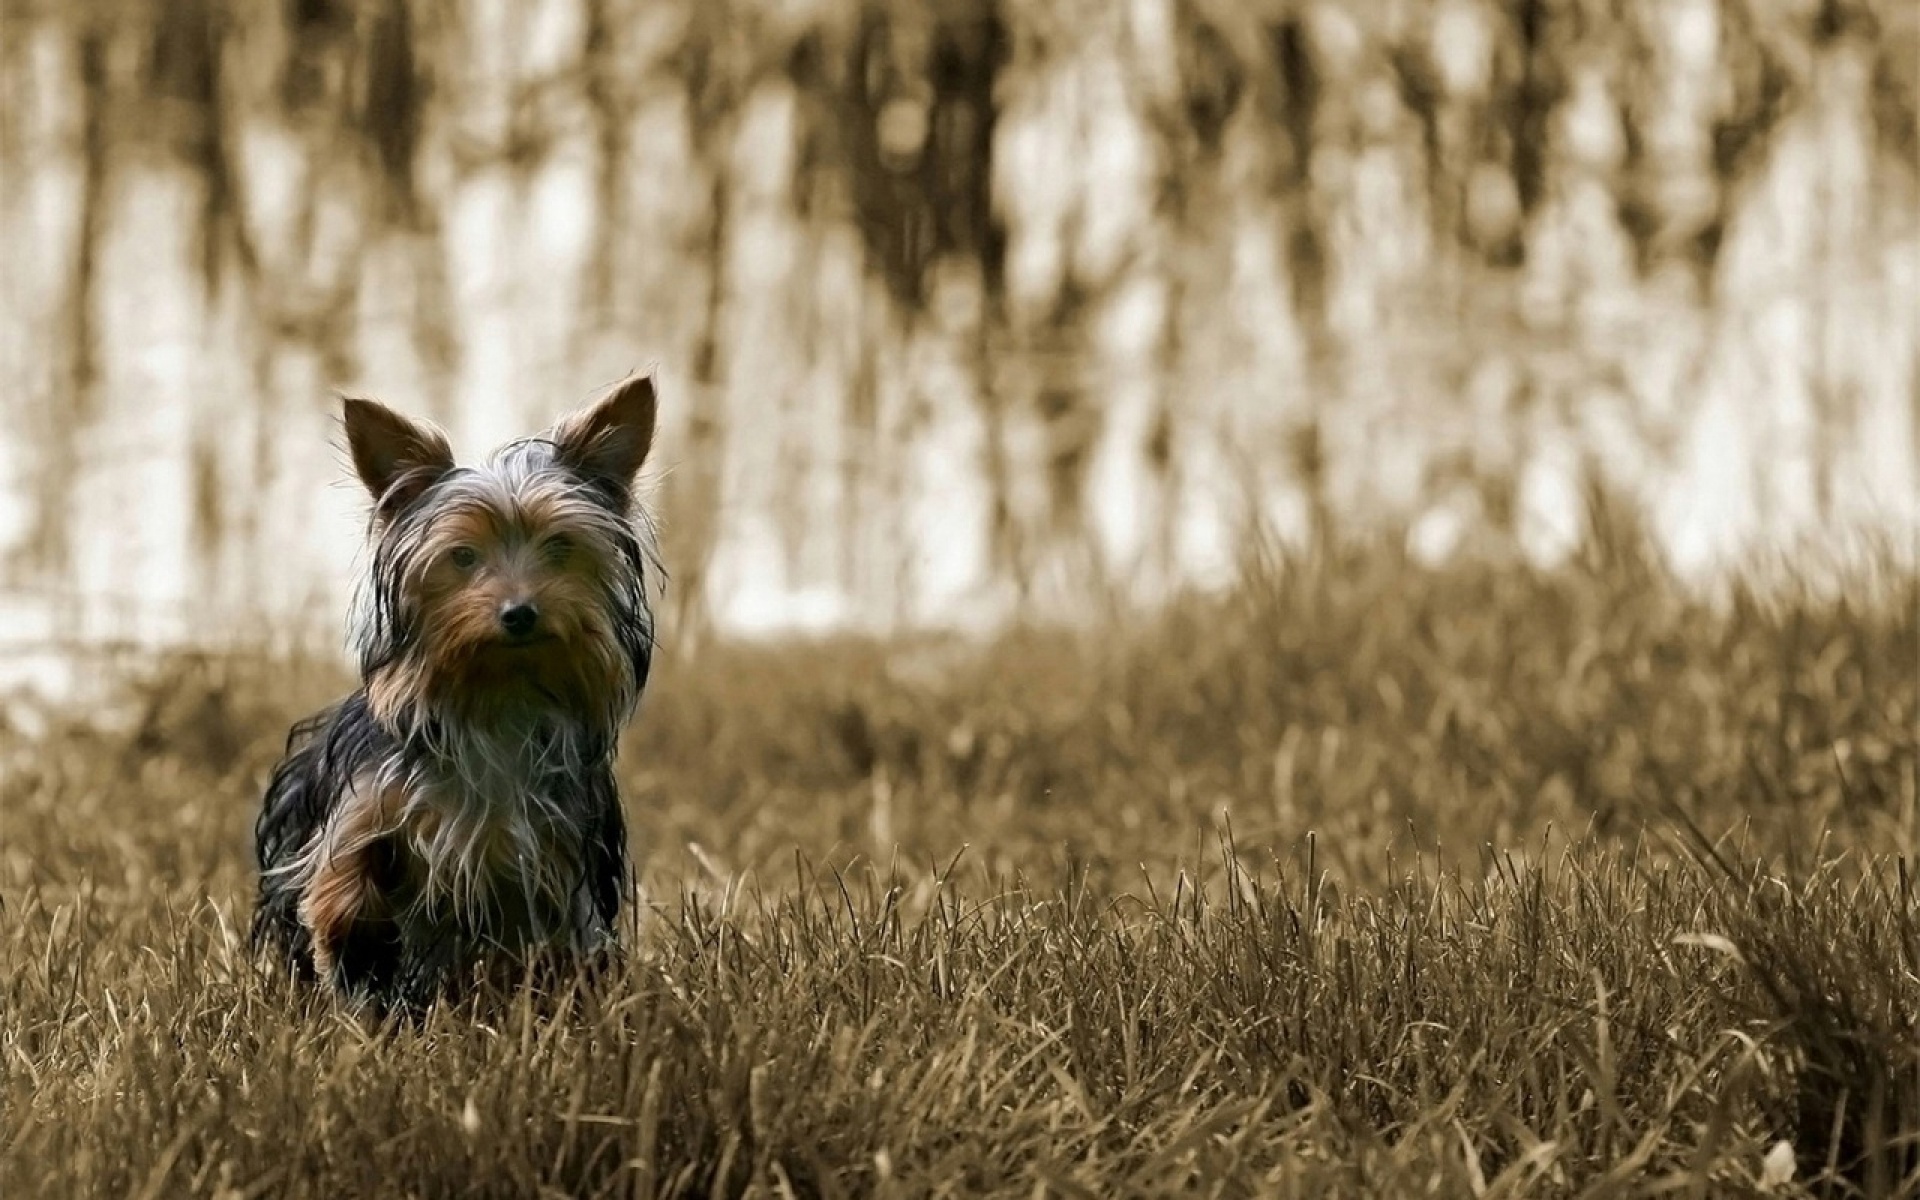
519	618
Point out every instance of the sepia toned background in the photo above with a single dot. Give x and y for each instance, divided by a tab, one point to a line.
961	310
1478	814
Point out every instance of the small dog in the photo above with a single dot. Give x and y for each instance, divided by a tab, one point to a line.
461	807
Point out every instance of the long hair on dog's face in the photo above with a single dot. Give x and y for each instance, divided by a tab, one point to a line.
507	598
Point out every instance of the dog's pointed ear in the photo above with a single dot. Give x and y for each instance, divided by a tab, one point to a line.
608	443
396	458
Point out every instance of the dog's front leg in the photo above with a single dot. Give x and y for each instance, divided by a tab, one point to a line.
348	904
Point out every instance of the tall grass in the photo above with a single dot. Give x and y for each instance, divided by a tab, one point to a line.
1365	879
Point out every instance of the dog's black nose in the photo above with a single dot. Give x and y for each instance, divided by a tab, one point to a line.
519	618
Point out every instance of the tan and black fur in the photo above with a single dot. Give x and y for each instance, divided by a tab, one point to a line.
461	805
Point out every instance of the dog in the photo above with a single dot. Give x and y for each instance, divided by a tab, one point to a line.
460	808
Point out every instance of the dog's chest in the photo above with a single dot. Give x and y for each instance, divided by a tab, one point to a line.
498	849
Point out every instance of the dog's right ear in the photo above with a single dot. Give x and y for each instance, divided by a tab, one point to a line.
397	459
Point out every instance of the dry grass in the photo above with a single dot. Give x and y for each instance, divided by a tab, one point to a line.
1606	893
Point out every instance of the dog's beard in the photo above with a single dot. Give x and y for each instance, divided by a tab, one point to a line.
536	686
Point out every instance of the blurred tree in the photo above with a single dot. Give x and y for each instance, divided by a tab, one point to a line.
1350	208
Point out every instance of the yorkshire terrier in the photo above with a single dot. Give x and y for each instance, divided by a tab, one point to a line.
460	808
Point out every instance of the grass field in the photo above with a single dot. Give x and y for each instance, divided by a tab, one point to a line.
1365	880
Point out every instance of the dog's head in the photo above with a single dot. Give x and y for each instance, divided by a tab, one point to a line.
514	591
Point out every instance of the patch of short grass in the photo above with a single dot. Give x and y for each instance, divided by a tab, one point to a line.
1582	1025
1365	879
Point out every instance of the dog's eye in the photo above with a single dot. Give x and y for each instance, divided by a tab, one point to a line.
464	557
558	547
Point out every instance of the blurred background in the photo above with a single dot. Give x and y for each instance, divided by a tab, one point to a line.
963	310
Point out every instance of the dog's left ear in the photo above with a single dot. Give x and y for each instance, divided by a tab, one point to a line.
608	443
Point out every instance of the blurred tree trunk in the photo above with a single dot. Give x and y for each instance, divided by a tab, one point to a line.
1323	228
